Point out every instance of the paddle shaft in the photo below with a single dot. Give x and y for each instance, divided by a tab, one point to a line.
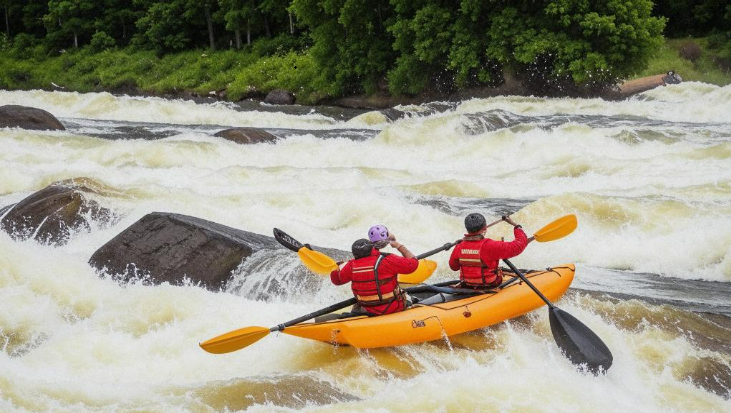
326	310
439	287
294	245
451	244
436	250
530	284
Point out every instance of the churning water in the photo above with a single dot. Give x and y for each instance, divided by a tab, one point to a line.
649	179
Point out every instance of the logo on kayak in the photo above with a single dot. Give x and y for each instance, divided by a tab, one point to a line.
418	323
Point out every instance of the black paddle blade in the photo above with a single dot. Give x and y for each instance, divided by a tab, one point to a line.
578	342
286	240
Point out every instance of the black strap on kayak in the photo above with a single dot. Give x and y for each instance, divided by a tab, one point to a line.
375	274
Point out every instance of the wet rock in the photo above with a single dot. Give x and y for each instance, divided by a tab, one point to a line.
246	135
294	392
54	213
393	114
279	97
711	374
171	248
15	116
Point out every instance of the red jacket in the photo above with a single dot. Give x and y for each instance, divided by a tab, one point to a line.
363	281
490	253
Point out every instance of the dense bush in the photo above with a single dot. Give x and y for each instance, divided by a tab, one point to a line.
690	51
101	41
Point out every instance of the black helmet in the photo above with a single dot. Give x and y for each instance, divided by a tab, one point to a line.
361	248
474	223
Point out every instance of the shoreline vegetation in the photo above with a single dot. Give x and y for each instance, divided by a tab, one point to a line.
234	76
361	55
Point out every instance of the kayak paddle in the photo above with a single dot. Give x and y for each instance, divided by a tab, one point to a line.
557	229
551	232
574	338
244	337
321	264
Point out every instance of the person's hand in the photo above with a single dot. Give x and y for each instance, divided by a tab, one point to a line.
392	240
531	239
509	220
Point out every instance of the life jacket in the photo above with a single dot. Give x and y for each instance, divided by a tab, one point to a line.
474	272
370	288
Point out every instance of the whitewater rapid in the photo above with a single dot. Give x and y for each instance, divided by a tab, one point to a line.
648	178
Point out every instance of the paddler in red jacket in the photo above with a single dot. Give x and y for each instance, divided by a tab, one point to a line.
477	258
373	275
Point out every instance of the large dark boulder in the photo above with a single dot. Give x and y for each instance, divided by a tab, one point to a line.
279	97
174	248
178	249
15	116
246	135
54	213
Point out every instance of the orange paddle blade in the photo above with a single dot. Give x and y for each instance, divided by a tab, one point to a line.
425	270
317	262
234	340
557	229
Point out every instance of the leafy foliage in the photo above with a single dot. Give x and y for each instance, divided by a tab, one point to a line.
324	48
352	47
596	42
101	41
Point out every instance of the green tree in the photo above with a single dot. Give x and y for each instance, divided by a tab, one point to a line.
9	8
441	43
118	19
161	26
68	19
574	40
177	24
238	14
352	47
32	16
275	14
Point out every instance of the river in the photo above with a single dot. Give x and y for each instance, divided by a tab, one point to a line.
649	179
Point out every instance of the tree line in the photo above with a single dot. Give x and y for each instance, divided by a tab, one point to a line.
407	46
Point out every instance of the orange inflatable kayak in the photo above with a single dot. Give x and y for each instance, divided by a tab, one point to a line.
429	322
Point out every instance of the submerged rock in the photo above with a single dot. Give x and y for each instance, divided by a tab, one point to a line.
246	135
393	114
54	213
294	392
15	116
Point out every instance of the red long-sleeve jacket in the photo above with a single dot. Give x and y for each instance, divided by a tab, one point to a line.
491	251
364	283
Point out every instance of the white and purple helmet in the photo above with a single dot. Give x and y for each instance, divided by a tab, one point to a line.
378	233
